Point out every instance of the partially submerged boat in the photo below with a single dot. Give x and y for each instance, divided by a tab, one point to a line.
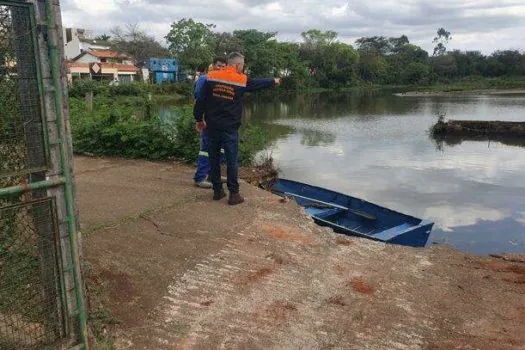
349	215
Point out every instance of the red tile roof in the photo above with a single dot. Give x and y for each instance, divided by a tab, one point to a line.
106	54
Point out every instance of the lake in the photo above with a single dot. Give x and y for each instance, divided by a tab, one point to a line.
376	146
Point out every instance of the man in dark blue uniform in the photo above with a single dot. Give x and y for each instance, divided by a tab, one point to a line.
218	112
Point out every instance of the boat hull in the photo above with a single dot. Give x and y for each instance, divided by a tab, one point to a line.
353	216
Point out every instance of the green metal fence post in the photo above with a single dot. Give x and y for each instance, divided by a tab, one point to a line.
64	163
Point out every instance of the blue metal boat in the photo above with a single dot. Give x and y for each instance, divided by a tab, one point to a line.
354	216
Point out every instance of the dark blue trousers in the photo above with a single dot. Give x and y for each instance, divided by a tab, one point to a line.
229	141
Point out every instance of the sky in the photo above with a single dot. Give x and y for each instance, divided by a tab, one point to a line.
484	25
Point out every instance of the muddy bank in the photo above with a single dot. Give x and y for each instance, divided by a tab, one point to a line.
181	271
458	93
262	175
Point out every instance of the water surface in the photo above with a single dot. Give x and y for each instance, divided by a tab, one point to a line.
376	147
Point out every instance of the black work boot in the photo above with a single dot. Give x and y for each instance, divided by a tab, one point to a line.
235	199
217	196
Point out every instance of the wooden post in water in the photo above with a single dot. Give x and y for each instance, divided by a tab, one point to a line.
148	107
89	101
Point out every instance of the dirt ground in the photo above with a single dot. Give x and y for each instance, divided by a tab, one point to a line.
181	271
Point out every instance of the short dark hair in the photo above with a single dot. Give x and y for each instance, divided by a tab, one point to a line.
234	55
202	68
219	59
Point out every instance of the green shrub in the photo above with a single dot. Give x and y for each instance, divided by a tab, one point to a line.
127	90
113	129
79	88
187	140
113	132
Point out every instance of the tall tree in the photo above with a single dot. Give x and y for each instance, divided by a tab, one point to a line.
383	45
373	67
442	38
133	41
315	38
445	66
511	59
226	43
378	44
313	49
415	73
397	44
291	67
339	66
468	62
192	42
400	64
260	49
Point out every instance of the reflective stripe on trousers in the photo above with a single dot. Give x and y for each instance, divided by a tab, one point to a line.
205	154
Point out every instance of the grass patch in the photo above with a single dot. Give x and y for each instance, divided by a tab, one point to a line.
100	318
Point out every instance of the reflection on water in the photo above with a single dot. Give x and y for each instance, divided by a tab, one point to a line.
452	140
314	138
376	146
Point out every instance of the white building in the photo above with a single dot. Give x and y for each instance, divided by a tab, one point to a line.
77	40
102	65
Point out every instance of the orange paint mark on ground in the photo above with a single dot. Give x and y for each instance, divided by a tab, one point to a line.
252	276
286	233
359	285
342	241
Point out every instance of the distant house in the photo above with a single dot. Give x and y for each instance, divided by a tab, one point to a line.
94	59
102	65
77	40
102	56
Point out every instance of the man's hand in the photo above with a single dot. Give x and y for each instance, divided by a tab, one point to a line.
200	126
277	81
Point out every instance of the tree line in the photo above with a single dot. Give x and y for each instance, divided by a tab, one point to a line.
322	61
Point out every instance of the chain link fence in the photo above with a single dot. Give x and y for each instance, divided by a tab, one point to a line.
32	306
22	138
30	316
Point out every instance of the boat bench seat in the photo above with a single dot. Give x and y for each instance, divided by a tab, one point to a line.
394	231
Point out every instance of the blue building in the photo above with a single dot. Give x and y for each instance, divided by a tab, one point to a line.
164	69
